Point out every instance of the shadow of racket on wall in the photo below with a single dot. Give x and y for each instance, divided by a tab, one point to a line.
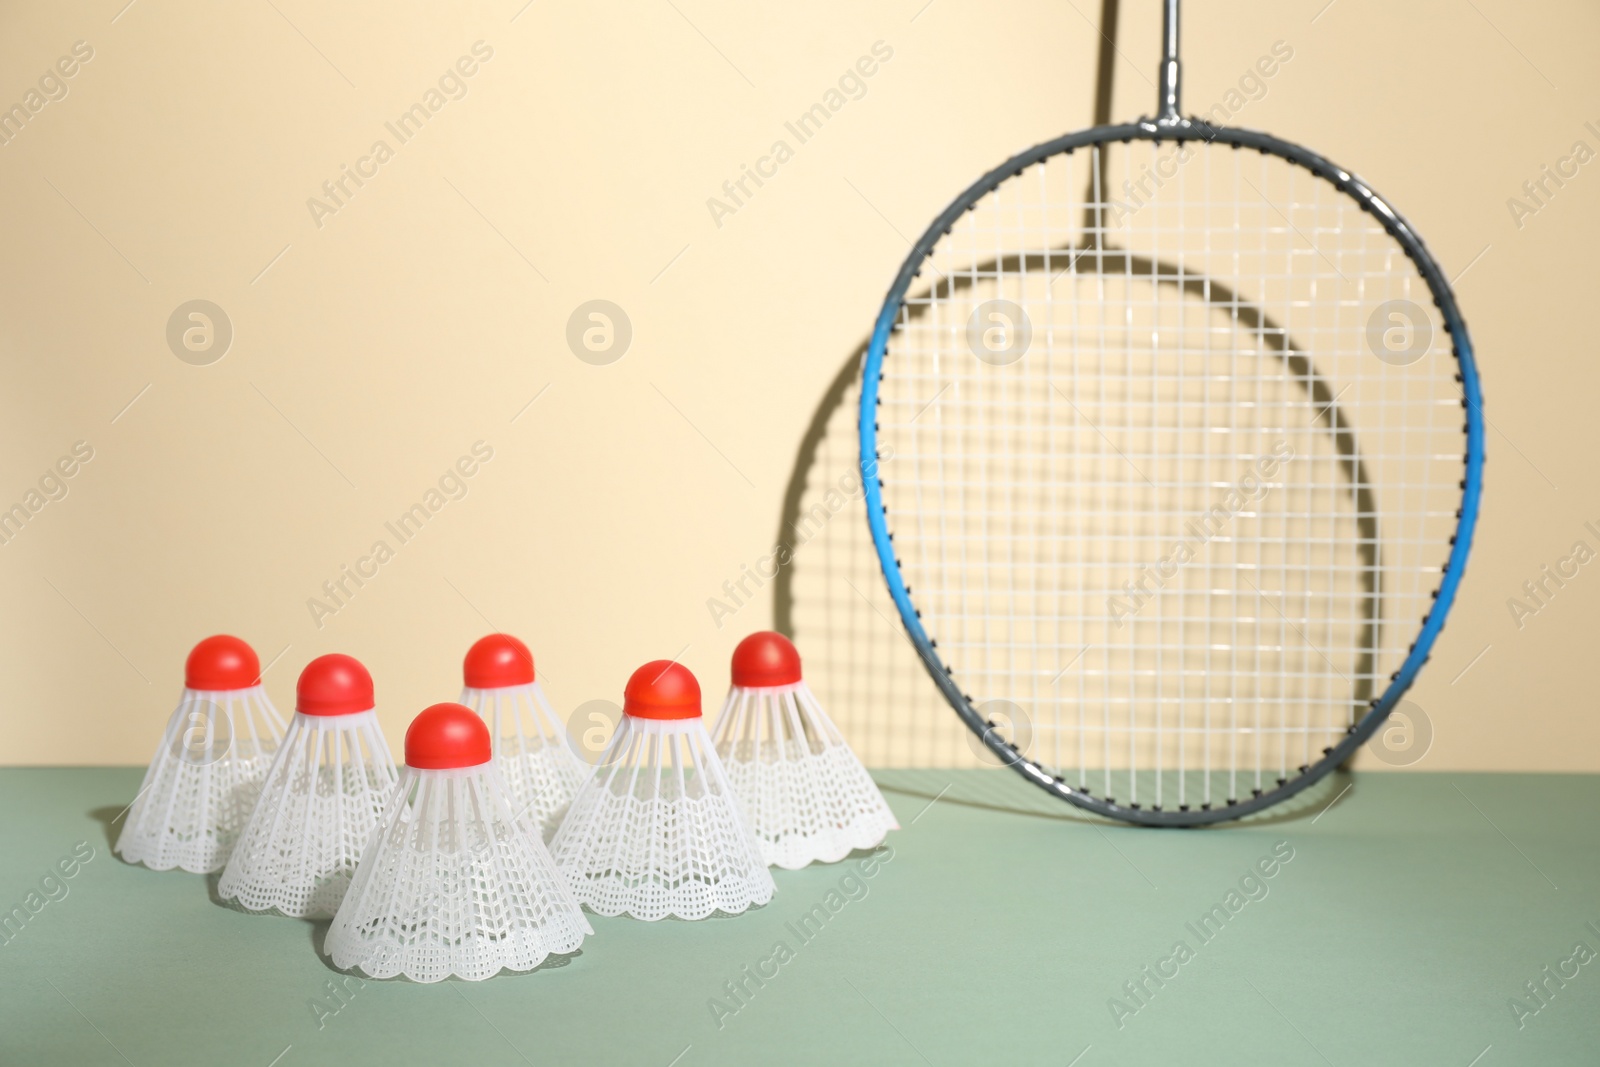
830	597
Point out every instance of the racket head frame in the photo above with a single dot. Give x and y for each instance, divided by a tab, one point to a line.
1170	129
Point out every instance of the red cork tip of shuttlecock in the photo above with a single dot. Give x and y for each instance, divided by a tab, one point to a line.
765	659
497	661
447	736
334	684
220	663
662	689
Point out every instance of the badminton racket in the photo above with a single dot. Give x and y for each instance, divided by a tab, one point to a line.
1177	447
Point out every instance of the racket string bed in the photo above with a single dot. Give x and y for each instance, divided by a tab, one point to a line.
1157	475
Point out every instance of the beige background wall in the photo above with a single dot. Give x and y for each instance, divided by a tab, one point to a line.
372	351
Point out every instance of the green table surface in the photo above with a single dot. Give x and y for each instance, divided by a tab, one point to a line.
1000	927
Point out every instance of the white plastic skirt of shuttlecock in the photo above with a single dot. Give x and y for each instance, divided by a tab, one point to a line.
658	832
530	744
805	792
318	806
203	782
454	883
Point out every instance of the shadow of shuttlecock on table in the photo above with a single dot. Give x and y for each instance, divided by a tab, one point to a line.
110	820
712	916
231	904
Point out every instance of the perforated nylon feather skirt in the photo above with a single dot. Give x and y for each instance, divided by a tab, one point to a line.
530	745
807	795
318	806
454	883
203	781
658	831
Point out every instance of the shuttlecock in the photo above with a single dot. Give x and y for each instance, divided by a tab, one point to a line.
208	769
454	881
657	830
530	743
805	792
320	800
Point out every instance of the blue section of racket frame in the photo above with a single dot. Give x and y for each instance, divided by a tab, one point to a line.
1466	516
